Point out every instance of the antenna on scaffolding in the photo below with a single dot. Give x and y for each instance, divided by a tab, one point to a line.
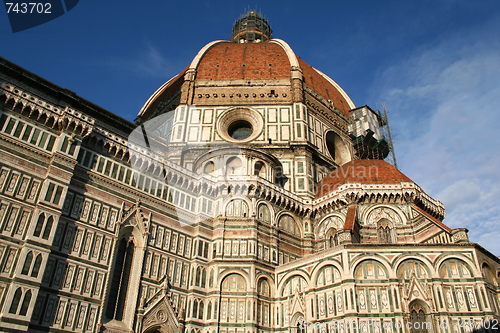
386	130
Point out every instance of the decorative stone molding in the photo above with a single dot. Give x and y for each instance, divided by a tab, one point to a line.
460	236
383	213
344	237
378	193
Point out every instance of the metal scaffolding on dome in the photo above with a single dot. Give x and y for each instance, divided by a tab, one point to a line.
251	27
371	135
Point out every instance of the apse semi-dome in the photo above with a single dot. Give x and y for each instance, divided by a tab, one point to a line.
271	65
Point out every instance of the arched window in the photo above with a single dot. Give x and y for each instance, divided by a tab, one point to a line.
209	310
26	303
209	168
27	263
263	288
39	225
15	301
384	232
211	280
195	309
234	166
36	267
237	208
418	320
260	169
264	214
198	275
288	224
331	238
200	311
120	280
48	228
203	278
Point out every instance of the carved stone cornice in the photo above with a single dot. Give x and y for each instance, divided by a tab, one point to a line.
377	193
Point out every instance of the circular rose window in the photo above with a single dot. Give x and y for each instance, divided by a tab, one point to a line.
240	125
240	130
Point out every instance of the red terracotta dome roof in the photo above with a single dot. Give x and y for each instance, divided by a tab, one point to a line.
321	85
229	61
273	59
361	171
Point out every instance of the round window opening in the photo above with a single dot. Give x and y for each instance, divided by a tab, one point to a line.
240	130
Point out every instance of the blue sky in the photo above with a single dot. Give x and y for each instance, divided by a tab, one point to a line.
436	64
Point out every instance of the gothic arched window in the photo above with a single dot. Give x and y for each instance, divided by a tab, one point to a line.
384	235
15	301
36	267
39	225
209	310
26	303
195	309
418	320
198	276
203	278
200	311
48	228
27	263
120	280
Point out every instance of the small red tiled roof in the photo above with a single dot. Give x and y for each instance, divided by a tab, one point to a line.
350	218
433	219
361	171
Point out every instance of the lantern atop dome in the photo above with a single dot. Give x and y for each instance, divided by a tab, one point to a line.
251	27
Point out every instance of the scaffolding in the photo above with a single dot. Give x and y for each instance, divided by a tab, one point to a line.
372	139
251	27
386	132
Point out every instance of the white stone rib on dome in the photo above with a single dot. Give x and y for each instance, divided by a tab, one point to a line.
201	53
347	98
288	50
153	97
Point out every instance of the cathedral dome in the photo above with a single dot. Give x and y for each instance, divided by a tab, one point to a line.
256	62
361	172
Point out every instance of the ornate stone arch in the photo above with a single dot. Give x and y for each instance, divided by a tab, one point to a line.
245	207
270	280
419	314
323	273
387	271
425	261
290	275
297	224
409	264
317	269
475	271
296	320
375	257
378	212
333	220
226	273
120	296
270	209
